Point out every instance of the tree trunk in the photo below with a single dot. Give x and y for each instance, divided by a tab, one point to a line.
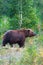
20	13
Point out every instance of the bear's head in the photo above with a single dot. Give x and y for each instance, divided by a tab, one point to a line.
29	33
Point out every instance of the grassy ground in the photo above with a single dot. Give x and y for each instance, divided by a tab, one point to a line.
32	54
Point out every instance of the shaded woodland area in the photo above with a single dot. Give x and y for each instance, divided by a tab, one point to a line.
15	14
22	14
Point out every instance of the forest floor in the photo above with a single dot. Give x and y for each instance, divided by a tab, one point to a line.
12	56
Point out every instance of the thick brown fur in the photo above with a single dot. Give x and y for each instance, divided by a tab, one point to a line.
17	36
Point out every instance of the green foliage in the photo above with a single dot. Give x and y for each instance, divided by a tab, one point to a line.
4	24
29	56
30	16
12	9
14	22
8	7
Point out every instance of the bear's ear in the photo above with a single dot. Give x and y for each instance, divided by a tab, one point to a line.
28	30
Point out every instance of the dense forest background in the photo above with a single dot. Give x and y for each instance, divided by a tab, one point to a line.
16	14
22	14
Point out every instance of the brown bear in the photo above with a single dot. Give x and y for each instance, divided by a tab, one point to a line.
17	36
